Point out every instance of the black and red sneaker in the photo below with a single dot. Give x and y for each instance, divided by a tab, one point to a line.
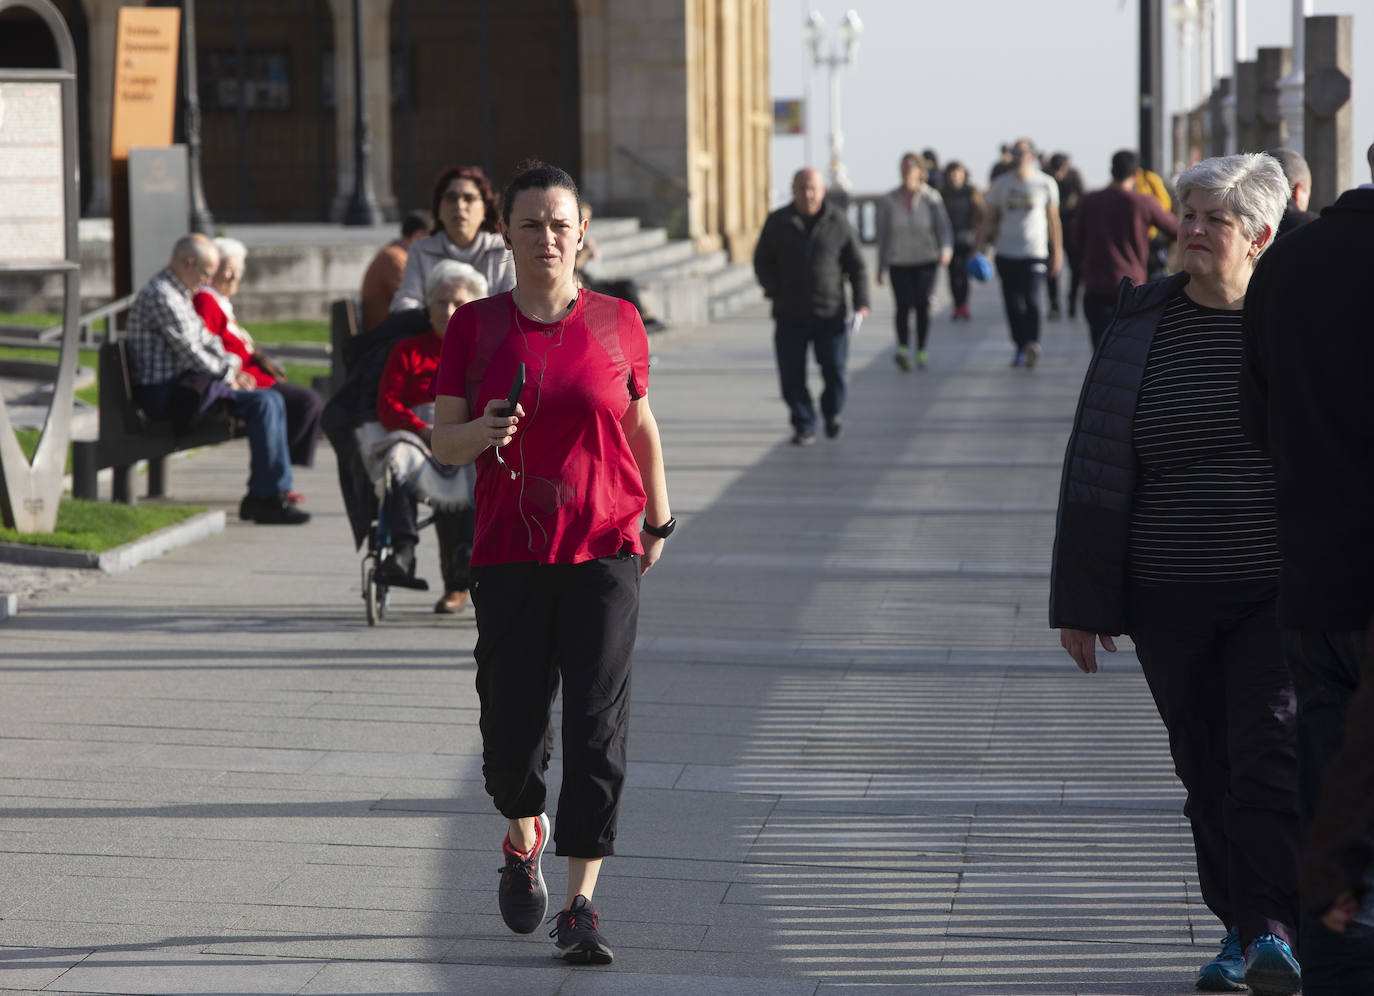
523	897
576	937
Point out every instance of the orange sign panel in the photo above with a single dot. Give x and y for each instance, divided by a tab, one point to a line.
146	48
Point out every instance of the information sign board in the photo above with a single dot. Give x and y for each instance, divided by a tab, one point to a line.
33	222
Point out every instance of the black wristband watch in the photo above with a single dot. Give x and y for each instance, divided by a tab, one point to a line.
663	531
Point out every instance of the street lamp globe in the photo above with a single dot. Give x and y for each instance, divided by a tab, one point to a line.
815	34
850	30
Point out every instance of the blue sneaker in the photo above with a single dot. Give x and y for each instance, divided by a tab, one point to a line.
1226	972
1019	360
1270	968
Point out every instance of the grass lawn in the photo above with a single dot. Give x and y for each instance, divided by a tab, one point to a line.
266	333
100	526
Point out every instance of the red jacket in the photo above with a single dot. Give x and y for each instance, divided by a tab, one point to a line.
406	381
218	322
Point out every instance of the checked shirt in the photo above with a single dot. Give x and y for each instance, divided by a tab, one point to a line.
167	337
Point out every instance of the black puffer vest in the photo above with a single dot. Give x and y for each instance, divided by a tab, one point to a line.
1093	527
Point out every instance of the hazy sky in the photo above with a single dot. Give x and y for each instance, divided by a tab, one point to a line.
962	76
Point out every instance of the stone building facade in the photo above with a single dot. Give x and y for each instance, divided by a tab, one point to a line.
660	108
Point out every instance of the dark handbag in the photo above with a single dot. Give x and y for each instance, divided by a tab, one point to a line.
197	399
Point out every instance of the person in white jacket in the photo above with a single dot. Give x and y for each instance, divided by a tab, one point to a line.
465	229
915	239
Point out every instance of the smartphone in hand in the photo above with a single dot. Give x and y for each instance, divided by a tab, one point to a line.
517	385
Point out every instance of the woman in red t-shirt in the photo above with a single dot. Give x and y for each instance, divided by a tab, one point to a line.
572	507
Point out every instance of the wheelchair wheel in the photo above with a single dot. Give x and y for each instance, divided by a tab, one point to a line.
371	597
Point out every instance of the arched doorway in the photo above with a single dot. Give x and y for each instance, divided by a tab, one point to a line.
267	103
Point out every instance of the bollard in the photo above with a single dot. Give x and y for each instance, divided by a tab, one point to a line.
1328	115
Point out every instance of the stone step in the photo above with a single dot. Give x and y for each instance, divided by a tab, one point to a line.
733	290
612	228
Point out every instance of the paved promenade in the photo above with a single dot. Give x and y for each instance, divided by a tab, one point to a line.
860	761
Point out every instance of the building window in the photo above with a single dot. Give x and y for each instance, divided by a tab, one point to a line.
266	80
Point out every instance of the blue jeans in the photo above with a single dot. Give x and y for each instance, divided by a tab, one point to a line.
1023	286
828	339
264	414
1326	671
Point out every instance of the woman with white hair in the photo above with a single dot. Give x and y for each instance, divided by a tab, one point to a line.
303	405
1167	531
405	401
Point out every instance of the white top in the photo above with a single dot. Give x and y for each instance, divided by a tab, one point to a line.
487	255
1023	224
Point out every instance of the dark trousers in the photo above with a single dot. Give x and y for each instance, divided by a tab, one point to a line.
1098	310
1212	657
828	340
958	276
537	624
1071	261
263	414
303	410
1023	285
911	287
1326	669
452	533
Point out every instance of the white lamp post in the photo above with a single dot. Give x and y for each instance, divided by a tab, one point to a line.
845	55
1291	86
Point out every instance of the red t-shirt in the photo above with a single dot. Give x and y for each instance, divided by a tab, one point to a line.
578	495
406	382
218	322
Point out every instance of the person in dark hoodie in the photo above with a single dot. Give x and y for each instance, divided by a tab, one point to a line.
1167	531
1306	402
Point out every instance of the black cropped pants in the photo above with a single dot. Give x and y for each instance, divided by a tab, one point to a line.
537	625
1213	658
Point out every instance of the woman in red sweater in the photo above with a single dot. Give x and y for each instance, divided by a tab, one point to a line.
303	405
405	400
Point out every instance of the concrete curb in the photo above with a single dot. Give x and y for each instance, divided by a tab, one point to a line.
121	558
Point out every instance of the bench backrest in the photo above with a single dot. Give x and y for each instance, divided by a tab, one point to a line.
345	322
119	415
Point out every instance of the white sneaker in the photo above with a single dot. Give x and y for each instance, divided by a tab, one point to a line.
1032	354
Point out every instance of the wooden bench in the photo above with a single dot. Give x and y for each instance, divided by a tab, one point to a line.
128	436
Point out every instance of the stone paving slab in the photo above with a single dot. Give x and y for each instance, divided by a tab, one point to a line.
859	760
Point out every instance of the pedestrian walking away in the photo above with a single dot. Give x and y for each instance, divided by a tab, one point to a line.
1306	401
571	509
1168	531
1112	228
914	239
964	203
805	253
1023	214
1071	190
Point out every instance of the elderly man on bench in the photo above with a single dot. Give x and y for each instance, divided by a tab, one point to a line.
181	372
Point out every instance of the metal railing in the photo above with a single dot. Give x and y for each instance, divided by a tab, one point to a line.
51	337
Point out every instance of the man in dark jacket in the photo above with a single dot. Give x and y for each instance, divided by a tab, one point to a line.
804	253
1306	401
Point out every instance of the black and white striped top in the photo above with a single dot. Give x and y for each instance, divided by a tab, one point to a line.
1204	501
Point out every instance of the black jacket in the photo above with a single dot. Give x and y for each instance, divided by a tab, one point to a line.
1307	400
803	272
1093	529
